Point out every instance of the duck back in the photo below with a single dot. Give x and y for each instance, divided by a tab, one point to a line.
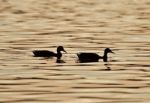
44	53
88	57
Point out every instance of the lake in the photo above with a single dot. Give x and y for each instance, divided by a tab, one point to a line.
79	26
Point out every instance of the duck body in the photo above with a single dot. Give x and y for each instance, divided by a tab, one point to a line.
44	53
88	57
49	54
93	57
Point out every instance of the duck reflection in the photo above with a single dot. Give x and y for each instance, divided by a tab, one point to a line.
107	65
60	61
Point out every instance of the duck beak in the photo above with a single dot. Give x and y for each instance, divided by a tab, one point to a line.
65	51
112	52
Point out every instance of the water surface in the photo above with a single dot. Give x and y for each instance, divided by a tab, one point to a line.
80	25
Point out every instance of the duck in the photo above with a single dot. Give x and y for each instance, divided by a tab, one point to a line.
93	57
49	54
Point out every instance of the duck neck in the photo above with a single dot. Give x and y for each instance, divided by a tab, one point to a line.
105	56
58	54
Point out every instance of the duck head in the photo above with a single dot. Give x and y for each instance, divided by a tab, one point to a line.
108	50
61	48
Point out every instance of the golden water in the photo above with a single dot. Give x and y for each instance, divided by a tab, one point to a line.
78	25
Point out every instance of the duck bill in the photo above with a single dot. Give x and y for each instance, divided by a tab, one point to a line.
64	51
112	52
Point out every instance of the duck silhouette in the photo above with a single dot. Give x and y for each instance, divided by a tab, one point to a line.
49	54
93	57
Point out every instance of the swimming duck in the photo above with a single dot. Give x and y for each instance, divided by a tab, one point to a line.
93	57
46	53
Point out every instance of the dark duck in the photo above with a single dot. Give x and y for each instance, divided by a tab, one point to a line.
49	54
93	57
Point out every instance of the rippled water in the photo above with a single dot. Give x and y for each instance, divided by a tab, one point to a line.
78	25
